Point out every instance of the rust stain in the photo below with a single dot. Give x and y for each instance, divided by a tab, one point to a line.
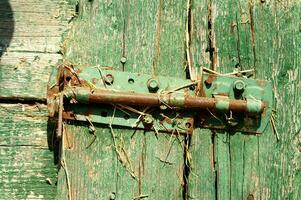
190	126
200	89
51	103
94	81
69	115
210	79
264	109
78	71
261	83
165	119
251	197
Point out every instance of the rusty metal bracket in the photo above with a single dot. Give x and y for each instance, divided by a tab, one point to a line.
162	104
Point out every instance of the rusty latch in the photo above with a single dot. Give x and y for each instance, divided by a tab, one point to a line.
164	104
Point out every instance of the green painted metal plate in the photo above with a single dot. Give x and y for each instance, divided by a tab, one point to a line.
222	88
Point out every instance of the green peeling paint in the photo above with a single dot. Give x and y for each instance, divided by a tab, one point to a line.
222	105
254	106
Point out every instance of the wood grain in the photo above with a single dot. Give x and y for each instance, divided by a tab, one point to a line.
150	165
261	35
31	34
27	169
30	39
202	176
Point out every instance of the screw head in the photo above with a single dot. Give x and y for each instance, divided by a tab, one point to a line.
239	86
188	125
123	60
109	79
112	196
148	119
153	85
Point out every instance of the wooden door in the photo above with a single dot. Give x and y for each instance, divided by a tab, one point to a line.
155	37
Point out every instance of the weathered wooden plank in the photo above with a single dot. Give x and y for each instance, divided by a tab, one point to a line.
162	24
47	45
231	26
27	169
201	180
141	31
26	163
257	35
234	44
20	24
222	165
233	32
151	28
30	42
24	6
25	75
97	39
18	58
31	131
40	31
141	166
280	41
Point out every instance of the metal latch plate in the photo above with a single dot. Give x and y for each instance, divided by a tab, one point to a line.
175	119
